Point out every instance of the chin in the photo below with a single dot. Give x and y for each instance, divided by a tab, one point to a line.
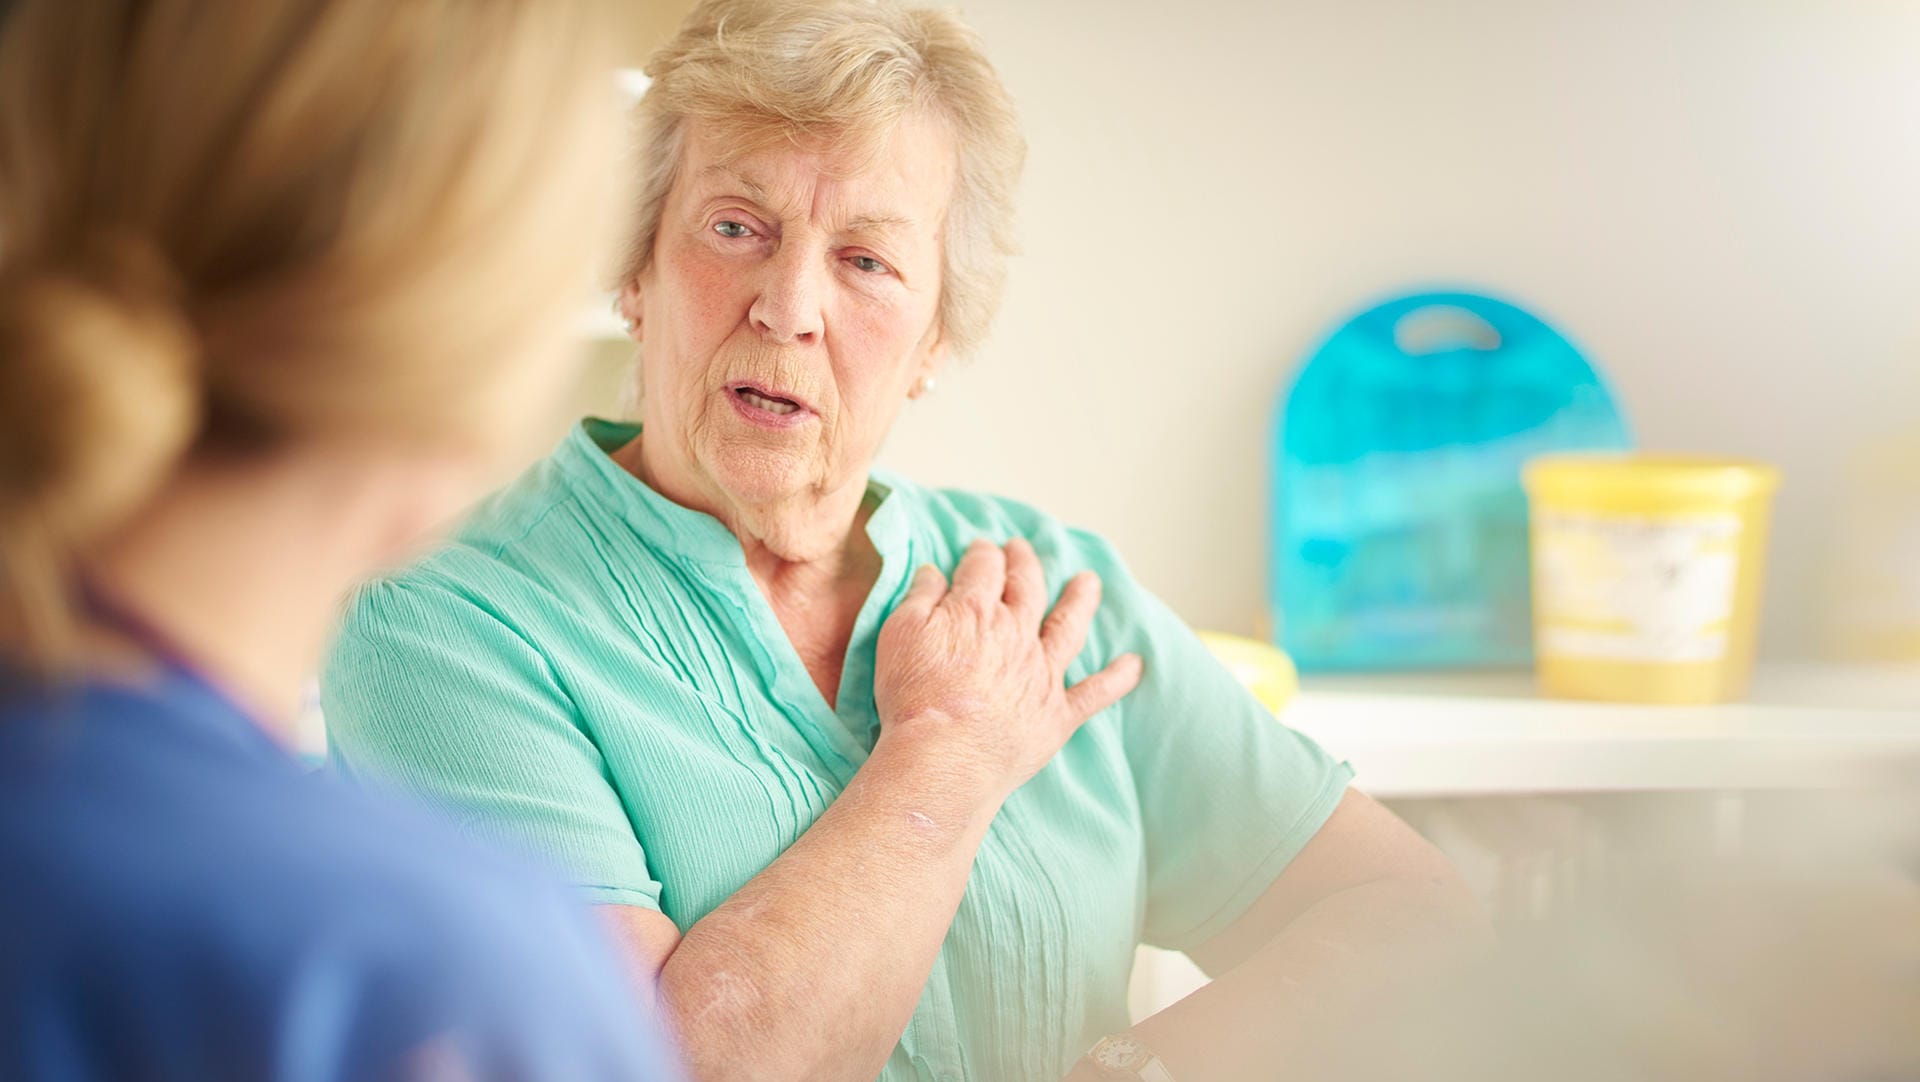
762	476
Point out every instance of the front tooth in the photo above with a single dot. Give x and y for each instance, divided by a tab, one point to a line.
769	404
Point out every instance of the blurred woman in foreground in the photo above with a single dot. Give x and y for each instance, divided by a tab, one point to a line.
281	286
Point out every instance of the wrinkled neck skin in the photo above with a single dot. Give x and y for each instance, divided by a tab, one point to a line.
802	550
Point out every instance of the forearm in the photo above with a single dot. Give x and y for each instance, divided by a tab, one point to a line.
813	968
1294	1005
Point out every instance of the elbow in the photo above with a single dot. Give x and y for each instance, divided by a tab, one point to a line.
711	1019
731	1024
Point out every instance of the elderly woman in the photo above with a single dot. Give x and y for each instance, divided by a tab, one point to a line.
808	730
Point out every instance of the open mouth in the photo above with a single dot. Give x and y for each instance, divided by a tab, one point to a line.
772	403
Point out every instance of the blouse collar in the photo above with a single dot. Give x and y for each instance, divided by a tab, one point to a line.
586	458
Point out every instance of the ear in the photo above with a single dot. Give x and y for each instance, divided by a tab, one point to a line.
932	363
627	305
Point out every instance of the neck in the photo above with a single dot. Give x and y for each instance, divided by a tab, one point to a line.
818	535
241	569
812	559
853	564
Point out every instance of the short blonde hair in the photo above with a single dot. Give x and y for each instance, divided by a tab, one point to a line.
844	72
267	221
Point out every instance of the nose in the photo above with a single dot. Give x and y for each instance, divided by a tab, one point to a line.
788	308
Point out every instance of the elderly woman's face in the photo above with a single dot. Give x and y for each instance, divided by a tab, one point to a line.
790	307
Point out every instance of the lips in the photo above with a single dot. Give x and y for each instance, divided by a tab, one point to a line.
768	399
772	404
767	408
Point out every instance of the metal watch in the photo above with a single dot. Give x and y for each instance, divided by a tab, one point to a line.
1122	1058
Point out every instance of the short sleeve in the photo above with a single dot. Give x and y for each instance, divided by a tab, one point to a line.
1228	794
429	690
529	992
479	971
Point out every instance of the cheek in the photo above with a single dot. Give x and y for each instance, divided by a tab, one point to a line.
878	361
707	286
692	309
693	306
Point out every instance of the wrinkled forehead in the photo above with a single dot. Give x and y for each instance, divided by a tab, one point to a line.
900	176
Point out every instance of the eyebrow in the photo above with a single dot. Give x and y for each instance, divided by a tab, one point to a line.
754	188
877	223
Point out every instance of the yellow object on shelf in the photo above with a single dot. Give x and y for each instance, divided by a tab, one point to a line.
1646	574
1262	667
1872	592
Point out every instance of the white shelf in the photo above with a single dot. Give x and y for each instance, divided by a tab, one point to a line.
1465	734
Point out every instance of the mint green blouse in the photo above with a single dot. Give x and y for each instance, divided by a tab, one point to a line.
590	669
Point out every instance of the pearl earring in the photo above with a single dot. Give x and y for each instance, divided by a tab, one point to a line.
628	322
923	386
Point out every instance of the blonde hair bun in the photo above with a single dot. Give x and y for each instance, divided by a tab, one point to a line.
229	228
99	392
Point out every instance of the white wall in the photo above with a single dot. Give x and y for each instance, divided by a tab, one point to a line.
1720	200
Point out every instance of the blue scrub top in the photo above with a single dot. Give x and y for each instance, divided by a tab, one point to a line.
181	899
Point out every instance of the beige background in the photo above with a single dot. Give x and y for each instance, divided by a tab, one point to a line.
1716	198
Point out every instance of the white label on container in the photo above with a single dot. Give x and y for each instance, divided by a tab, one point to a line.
1622	588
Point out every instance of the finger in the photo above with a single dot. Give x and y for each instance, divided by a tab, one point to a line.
1066	628
925	591
1104	688
1026	592
982	574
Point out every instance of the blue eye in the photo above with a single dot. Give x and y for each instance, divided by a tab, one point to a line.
731	229
869	264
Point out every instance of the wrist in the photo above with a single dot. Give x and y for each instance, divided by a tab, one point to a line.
951	790
1121	1058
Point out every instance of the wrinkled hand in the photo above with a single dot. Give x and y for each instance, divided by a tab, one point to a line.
980	666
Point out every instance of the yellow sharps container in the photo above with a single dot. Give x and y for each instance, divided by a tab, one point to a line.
1261	667
1646	574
